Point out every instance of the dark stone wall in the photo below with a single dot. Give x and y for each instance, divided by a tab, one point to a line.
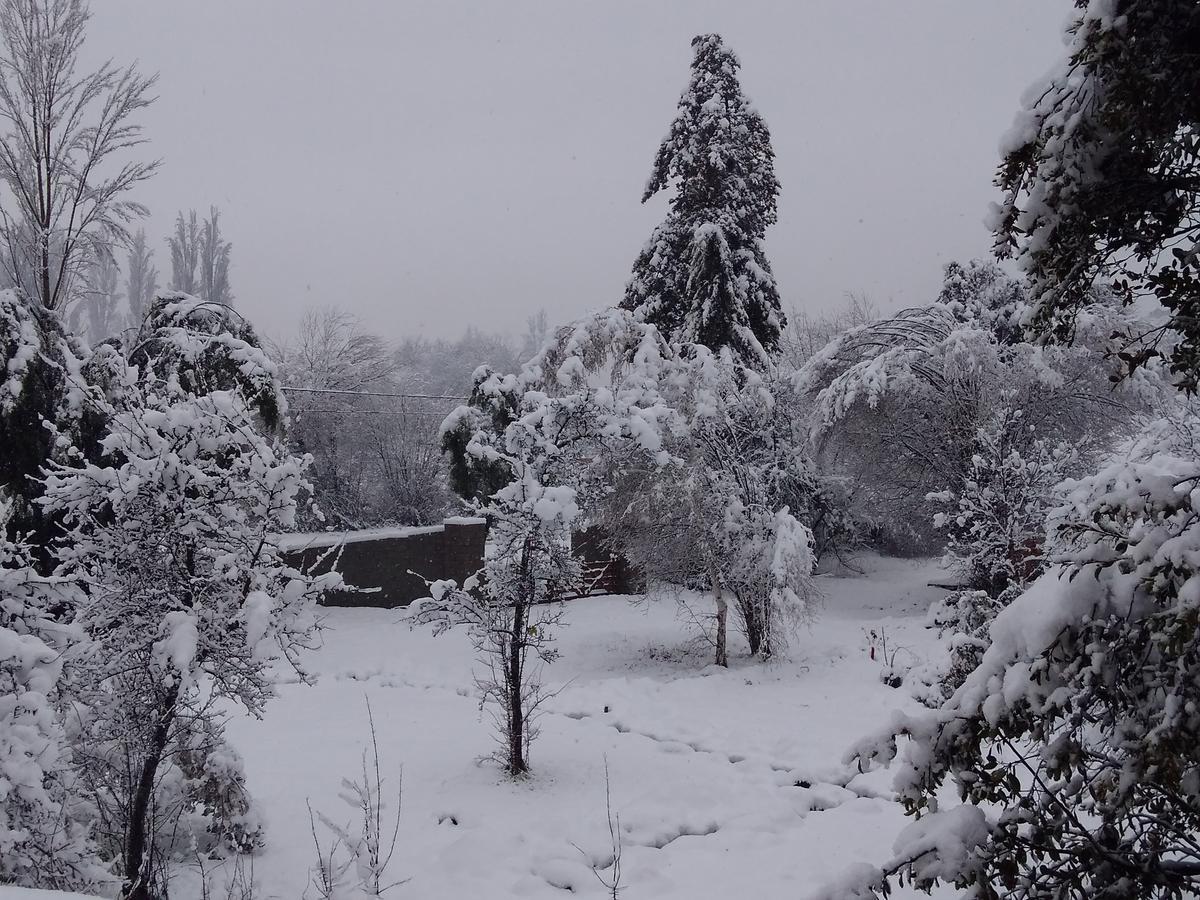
605	571
382	569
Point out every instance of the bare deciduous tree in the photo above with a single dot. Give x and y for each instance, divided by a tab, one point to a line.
96	310
806	333
200	257
375	458
537	329
333	351
64	133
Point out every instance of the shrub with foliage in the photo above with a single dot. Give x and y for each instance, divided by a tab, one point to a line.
995	520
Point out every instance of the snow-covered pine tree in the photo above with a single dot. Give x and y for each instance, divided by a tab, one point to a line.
1101	176
704	277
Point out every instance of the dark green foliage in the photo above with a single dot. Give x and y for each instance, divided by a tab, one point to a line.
703	277
471	478
232	356
1102	178
719	149
980	294
33	348
1075	742
46	375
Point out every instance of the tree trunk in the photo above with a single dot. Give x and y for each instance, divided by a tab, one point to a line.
139	841
722	623
755	625
516	715
44	274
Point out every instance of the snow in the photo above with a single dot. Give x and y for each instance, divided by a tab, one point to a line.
302	541
179	642
288	542
724	780
8	892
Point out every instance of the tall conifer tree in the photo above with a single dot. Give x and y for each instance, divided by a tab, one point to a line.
703	277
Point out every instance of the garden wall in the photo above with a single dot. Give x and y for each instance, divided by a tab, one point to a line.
380	562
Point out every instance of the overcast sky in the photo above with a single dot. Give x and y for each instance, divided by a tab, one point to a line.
433	165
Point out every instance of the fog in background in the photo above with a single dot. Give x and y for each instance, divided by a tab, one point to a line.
429	166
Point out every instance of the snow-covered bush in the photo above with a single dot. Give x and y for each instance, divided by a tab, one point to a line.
995	520
42	842
543	454
963	620
214	790
208	347
693	466
726	516
897	404
187	604
35	352
1075	742
995	525
610	411
1099	179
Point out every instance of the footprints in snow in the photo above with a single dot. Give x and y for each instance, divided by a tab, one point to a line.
662	840
820	793
385	679
568	875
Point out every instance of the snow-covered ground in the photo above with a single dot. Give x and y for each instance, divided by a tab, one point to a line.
726	782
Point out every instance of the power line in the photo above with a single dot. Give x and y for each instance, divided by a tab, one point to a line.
376	394
426	413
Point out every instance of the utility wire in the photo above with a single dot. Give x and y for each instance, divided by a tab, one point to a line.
426	413
375	394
